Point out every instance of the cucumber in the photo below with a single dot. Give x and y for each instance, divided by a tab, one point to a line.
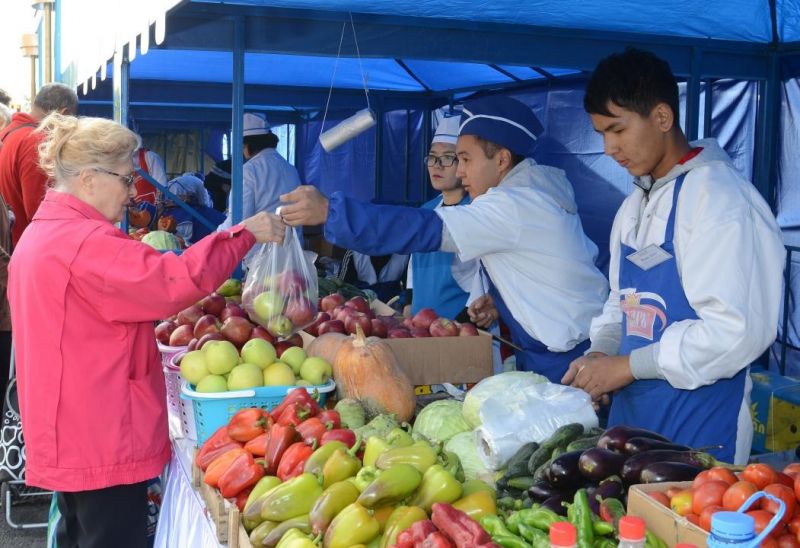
582	444
521	482
518	464
557	452
539	473
562	437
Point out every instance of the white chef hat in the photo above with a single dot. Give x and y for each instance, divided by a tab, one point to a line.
447	130
255	124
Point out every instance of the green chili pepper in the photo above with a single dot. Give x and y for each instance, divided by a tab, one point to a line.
537	538
510	541
541	518
602	528
580	515
495	526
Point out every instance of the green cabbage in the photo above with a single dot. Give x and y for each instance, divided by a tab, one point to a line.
161	240
504	383
440	421
464	446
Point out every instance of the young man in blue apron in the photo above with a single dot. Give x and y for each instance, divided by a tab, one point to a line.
522	224
696	267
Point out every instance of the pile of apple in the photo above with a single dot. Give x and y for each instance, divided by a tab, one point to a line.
218	367
283	304
339	316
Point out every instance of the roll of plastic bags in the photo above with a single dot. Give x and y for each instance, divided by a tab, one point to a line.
533	413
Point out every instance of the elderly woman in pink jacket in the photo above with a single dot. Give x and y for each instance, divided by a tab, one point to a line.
84	297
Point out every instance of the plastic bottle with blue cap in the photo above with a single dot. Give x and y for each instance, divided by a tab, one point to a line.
737	529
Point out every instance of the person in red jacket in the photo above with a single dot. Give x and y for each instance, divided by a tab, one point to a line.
84	298
22	182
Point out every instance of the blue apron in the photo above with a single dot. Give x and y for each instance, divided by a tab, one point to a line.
434	285
698	418
535	356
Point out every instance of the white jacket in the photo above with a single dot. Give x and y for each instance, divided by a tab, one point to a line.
527	233
730	259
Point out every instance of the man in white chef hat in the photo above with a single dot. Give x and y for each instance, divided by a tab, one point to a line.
537	265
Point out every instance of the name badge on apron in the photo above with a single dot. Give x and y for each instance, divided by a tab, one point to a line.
650	256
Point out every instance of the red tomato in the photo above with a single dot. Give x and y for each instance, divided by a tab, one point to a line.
769	542
785	479
701	478
705	516
708	494
792	469
719	473
788	541
672	491
759	475
797	487
786	494
693	518
794	525
660	497
736	494
762	518
681	503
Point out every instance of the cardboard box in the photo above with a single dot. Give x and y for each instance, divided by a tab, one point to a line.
660	520
775	409
437	360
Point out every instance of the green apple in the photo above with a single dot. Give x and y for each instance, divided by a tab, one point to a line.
303	383
268	305
212	383
278	374
221	356
194	366
294	356
280	326
316	370
259	352
245	375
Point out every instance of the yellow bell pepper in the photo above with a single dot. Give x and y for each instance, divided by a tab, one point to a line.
477	505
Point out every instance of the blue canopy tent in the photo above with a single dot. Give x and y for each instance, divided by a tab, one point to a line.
209	59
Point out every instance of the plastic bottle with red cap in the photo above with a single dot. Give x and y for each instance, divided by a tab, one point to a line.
563	535
631	532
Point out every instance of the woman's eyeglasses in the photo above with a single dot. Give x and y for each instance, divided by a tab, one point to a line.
127	179
443	161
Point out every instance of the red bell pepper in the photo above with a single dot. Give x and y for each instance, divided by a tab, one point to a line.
220	466
462	529
247	424
241	498
416	534
217	439
311	430
294	460
344	435
331	419
280	438
241	474
202	461
298	395
258	445
437	540
294	414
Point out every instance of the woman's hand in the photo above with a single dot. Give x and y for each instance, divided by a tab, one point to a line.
304	206
266	227
482	311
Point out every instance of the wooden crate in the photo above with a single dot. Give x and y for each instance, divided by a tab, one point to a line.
237	536
217	508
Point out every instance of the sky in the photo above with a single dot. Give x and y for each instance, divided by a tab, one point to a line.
18	18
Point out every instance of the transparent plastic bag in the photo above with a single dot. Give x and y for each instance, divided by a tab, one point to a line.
281	292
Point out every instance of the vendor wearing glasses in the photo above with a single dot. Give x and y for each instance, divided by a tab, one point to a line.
439	279
522	225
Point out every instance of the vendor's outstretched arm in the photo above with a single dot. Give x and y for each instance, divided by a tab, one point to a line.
367	228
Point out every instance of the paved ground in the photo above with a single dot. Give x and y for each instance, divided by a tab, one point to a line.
27	510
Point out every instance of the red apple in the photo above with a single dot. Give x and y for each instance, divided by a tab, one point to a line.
330	302
389	321
357	319
281	346
296	340
399	333
291	283
206	324
313	327
442	327
379	329
182	335
192	345
163	332
418	332
468	330
358	303
259	332
300	311
332	326
189	315
231	309
237	330
408	323
208	337
341	313
212	304
424	318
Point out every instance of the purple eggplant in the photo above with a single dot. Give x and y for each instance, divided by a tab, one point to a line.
639	445
563	472
615	437
542	490
659	472
632	469
556	503
610	488
597	463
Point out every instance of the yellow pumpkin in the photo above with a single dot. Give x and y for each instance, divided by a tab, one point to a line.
367	370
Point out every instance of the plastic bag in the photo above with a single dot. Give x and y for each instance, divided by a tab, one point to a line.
513	418
280	292
505	383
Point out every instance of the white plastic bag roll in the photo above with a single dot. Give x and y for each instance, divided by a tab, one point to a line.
347	129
